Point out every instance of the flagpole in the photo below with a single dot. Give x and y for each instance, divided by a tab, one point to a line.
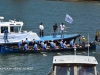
75	53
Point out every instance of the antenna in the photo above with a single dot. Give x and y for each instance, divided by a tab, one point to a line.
88	44
75	53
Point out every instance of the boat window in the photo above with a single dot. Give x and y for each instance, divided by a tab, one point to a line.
65	70
11	29
11	24
85	70
17	24
14	29
3	28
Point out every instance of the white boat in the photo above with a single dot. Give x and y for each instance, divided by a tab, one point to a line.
15	31
74	65
16	34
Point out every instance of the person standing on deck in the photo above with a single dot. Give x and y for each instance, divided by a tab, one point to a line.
6	35
54	30
96	35
83	41
41	27
62	28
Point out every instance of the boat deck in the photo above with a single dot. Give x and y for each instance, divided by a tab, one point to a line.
45	38
58	37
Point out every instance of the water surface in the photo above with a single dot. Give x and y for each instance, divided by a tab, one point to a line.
32	12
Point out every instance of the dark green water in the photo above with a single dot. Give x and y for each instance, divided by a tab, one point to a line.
86	16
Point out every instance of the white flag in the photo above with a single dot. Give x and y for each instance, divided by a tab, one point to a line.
68	19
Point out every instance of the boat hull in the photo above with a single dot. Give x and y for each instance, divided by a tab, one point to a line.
7	49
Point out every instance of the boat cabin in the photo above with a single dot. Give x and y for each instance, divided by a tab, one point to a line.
74	65
12	26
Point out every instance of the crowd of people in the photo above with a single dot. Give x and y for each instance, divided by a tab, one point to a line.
41	28
54	28
44	45
48	45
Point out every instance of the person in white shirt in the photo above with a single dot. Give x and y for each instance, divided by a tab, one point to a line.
62	27
41	27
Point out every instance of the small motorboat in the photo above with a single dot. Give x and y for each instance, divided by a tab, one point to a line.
74	65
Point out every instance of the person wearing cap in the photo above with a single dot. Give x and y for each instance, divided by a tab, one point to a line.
41	27
83	41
